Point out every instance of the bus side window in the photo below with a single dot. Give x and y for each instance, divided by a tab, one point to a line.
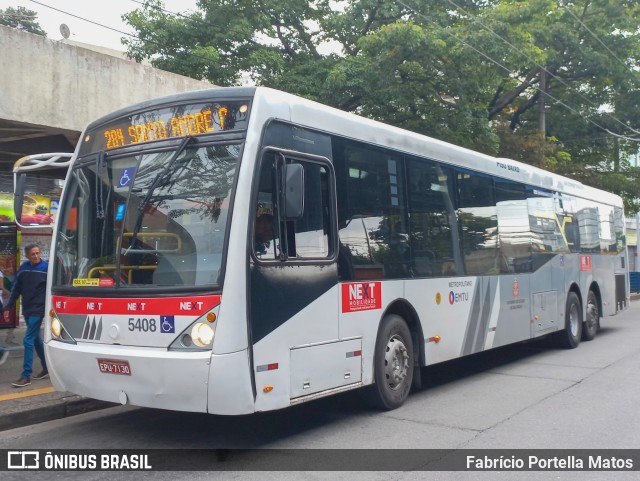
345	263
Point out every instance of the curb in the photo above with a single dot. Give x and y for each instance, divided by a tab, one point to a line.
70	405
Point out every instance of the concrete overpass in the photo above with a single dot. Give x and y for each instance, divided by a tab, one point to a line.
50	90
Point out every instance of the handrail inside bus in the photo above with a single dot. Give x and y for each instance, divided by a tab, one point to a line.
156	235
101	270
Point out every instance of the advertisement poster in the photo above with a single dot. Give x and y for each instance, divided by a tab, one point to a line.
8	248
36	209
6	208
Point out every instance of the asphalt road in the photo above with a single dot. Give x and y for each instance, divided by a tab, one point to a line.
529	396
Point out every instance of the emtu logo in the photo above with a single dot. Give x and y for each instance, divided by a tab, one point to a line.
458	297
361	296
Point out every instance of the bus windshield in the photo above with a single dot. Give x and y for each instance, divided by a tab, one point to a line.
145	220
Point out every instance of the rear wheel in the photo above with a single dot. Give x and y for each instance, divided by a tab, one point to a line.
592	321
393	364
570	336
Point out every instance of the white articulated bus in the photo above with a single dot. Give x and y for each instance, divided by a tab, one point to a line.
236	250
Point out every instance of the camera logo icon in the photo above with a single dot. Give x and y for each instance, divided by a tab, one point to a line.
23	460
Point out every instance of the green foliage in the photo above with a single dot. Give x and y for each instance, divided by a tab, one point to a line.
484	74
22	19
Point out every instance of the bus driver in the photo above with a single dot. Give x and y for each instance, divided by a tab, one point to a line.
263	233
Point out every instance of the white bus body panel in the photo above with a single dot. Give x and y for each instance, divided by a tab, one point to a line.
364	323
229	387
317	323
325	366
159	379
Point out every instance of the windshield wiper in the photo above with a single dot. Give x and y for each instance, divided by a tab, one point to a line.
143	204
99	186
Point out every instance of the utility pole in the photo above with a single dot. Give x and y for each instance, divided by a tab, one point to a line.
542	127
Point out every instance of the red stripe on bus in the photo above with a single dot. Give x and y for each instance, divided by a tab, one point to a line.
192	305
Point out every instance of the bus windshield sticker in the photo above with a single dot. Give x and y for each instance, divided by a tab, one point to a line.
93	282
126	177
120	209
83	282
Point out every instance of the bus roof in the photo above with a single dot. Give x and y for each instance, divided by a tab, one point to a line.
315	115
274	104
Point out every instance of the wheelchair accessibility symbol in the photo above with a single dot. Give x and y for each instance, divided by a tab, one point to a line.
167	324
126	176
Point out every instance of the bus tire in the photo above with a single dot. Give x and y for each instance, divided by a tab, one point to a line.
592	321
570	336
392	364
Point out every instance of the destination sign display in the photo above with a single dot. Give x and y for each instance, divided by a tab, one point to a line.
166	123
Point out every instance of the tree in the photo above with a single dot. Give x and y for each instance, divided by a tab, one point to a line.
549	83
22	19
571	82
224	39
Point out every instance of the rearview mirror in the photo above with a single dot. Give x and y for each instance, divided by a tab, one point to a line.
294	191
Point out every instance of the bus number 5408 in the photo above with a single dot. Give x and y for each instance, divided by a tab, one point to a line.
142	325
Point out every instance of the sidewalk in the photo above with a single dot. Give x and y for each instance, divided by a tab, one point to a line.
38	402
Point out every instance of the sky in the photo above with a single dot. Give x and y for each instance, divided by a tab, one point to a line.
103	12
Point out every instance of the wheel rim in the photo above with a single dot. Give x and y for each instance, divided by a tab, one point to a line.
396	362
574	319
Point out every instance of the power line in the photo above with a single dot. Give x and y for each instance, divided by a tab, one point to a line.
558	101
83	19
483	55
513	47
120	31
593	34
479	52
492	60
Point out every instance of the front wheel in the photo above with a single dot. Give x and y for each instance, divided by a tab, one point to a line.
592	322
570	336
392	365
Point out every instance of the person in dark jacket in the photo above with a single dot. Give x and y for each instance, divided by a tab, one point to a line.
31	284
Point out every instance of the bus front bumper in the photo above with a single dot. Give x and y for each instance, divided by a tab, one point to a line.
138	376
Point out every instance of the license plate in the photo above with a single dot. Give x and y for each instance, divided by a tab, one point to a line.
112	366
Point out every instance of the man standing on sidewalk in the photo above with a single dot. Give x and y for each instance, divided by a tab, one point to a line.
31	284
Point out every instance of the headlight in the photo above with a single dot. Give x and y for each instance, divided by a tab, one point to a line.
56	327
202	334
58	332
198	336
